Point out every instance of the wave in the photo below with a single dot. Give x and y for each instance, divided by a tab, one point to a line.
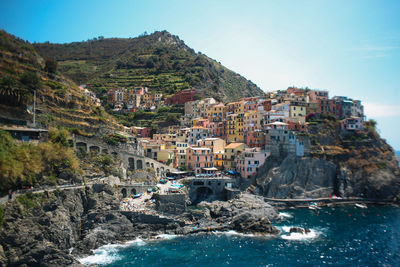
232	233
166	236
285	215
109	253
299	236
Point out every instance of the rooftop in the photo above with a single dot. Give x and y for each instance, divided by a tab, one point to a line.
234	145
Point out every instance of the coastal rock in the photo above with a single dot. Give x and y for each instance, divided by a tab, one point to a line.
248	223
246	213
299	230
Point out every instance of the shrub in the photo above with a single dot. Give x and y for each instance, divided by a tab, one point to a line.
26	164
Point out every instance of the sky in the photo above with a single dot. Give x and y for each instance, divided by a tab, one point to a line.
348	47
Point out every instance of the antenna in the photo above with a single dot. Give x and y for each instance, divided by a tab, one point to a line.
34	109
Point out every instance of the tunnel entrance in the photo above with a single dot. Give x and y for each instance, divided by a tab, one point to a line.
203	193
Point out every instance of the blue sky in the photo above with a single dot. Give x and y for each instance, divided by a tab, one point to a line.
348	47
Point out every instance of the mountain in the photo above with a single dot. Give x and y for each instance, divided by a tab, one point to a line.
60	101
398	155
160	61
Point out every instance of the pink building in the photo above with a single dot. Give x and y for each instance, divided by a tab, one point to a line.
352	124
318	95
202	123
255	138
250	160
198	158
140	90
141	131
250	105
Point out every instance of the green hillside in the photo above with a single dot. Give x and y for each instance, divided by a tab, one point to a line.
59	100
160	61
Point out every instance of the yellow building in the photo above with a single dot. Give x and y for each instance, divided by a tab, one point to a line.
216	113
297	112
215	144
235	125
231	128
165	155
231	152
235	107
219	160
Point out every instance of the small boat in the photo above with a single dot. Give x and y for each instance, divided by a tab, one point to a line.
138	195
362	206
313	206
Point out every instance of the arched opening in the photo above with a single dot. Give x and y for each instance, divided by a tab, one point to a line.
123	192
203	193
158	171
152	165
133	191
94	149
81	146
139	164
131	162
148	164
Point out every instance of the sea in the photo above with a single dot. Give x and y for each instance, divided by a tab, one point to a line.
339	236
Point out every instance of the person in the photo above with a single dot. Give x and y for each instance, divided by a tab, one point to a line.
10	192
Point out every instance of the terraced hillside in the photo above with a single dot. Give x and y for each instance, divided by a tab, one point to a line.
60	101
160	61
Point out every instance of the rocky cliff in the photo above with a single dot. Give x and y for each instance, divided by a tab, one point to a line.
56	228
343	164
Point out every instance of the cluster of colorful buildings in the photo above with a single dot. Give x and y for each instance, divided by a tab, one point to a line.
134	98
90	97
240	136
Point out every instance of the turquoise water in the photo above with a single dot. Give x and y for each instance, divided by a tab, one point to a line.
340	236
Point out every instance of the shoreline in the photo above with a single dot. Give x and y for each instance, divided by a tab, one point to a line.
224	230
324	202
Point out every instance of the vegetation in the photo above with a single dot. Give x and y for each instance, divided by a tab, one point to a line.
159	61
1	215
26	164
114	139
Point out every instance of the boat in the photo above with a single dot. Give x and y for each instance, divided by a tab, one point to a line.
313	206
362	206
138	195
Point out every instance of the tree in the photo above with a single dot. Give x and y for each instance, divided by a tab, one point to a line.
51	65
30	80
59	136
149	64
171	118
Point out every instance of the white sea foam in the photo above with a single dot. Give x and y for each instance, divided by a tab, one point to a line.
299	236
109	253
231	233
166	236
138	242
103	255
285	215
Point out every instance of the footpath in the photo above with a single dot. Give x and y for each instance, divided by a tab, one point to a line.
41	190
